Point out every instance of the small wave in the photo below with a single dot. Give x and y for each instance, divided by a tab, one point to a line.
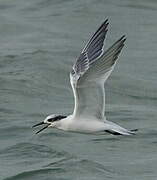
80	166
30	150
39	173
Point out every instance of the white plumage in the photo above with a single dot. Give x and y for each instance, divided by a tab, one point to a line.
87	78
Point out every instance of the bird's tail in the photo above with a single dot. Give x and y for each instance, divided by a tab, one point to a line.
126	133
118	130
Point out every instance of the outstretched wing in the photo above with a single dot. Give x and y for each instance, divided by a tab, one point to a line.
92	50
90	72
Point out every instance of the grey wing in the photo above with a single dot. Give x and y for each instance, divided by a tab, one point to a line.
91	51
103	66
88	87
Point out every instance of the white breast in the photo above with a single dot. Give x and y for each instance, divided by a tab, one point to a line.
81	125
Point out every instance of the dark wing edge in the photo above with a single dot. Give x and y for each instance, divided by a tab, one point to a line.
92	50
105	63
97	38
110	56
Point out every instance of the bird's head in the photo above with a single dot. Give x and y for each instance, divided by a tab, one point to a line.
50	121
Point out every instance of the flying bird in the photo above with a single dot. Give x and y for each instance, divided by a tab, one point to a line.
87	77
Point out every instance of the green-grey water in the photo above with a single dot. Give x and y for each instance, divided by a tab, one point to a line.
39	42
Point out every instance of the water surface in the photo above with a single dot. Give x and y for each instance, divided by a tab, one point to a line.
39	42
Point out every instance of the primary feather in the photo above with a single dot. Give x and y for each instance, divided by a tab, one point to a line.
90	71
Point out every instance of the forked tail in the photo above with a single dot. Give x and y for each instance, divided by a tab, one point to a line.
126	132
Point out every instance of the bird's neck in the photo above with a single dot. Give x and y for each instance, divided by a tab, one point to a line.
64	123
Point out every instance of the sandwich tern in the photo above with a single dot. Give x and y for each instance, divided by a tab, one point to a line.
87	78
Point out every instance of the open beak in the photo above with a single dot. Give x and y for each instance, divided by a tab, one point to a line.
39	124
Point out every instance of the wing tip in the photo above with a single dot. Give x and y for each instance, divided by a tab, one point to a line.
106	21
123	38
104	24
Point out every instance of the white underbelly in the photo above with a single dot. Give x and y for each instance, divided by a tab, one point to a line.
83	126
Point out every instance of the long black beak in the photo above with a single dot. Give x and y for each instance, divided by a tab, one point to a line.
41	123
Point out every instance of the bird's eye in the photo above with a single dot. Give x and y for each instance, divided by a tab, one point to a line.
56	118
50	120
